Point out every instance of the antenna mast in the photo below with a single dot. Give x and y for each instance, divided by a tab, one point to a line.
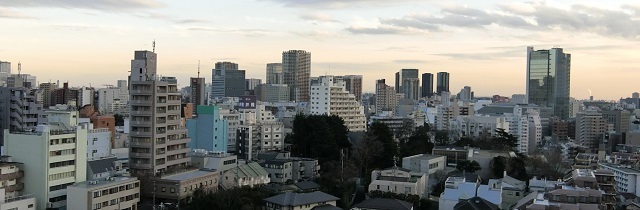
19	67
154	45
198	69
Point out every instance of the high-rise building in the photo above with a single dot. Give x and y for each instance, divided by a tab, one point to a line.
411	88
250	85
47	89
197	92
208	131
386	98
443	83
296	67
465	94
330	97
227	80
114	100
590	129
548	80
353	84
158	141
427	85
401	76
5	72
274	73
272	93
619	118
53	155
19	110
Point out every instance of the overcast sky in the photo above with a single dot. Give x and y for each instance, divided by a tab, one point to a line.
481	43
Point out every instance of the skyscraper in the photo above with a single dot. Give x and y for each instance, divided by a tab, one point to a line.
411	88
227	80
427	85
274	73
548	80
353	84
386	97
197	92
402	75
443	83
296	67
250	85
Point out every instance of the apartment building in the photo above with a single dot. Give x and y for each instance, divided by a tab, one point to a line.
330	97
400	181
590	129
110	193
111	99
19	110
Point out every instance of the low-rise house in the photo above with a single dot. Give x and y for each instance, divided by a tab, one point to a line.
175	187
512	191
400	181
383	204
250	174
627	178
424	163
303	201
567	197
105	167
461	188
475	203
107	193
212	160
283	168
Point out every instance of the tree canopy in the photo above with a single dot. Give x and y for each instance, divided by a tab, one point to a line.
320	137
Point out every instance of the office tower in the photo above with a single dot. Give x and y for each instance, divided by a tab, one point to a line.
19	110
227	80
590	129
619	118
548	80
386	97
411	88
197	92
443	83
5	72
158	142
330	97
208	131
46	90
427	85
53	156
465	94
401	79
353	84
250	85
272	93
114	100
296	66
274	73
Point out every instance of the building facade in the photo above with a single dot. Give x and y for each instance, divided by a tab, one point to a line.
427	85
109	193
208	131
296	67
227	81
272	93
386	98
590	129
275	74
548	80
400	181
443	83
197	87
19	110
331	98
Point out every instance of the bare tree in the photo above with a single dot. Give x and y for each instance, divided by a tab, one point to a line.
365	151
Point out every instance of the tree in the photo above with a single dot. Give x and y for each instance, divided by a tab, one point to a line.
365	152
504	141
517	168
468	166
119	119
319	136
442	137
418	143
465	141
498	166
382	133
236	198
405	130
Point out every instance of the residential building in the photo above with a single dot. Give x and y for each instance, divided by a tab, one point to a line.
303	201
443	83
275	74
401	76
176	187
98	142
250	174
524	122
453	154
296	67
518	98
259	137
567	197
427	85
330	98
627	178
272	93
233	123
250	85
513	190
16	202
386	99
47	88
424	163
383	204
61	158
446	114
619	118
465	95
476	126
590	129
461	188
105	167
227	81
208	130
19	110
12	178
400	181
108	193
64	95
213	160
560	130
112	99
197	87
395	124
5	72
548	80
475	203
353	84
283	168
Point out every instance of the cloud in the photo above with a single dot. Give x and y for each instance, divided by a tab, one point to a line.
316	34
245	32
7	13
338	4
74	27
409	61
535	17
318	17
487	56
105	5
188	21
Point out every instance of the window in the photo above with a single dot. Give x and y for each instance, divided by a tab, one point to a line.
163	189
172	190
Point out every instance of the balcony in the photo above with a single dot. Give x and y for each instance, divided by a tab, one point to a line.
141	91
185	150
139	102
139	165
13	188
140	133
140	155
140	112
143	123
141	144
14	175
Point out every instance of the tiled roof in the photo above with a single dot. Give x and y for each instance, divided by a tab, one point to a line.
384	203
298	199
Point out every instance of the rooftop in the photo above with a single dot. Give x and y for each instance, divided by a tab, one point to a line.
622	168
188	175
384	203
92	184
298	199
424	156
102	165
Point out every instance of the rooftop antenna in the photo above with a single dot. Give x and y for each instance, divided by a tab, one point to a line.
198	69
19	67
154	45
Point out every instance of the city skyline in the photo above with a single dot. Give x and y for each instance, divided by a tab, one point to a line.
63	40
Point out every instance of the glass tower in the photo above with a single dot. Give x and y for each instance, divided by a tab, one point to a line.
548	80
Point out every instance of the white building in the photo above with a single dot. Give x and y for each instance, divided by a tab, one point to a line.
111	99
109	193
524	123
459	188
214	160
54	155
251	174
400	181
475	126
331	98
627	178
98	143
424	163
12	181
446	114
16	202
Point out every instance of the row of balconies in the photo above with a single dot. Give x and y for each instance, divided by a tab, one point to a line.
14	175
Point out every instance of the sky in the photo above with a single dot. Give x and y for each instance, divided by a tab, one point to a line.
482	44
